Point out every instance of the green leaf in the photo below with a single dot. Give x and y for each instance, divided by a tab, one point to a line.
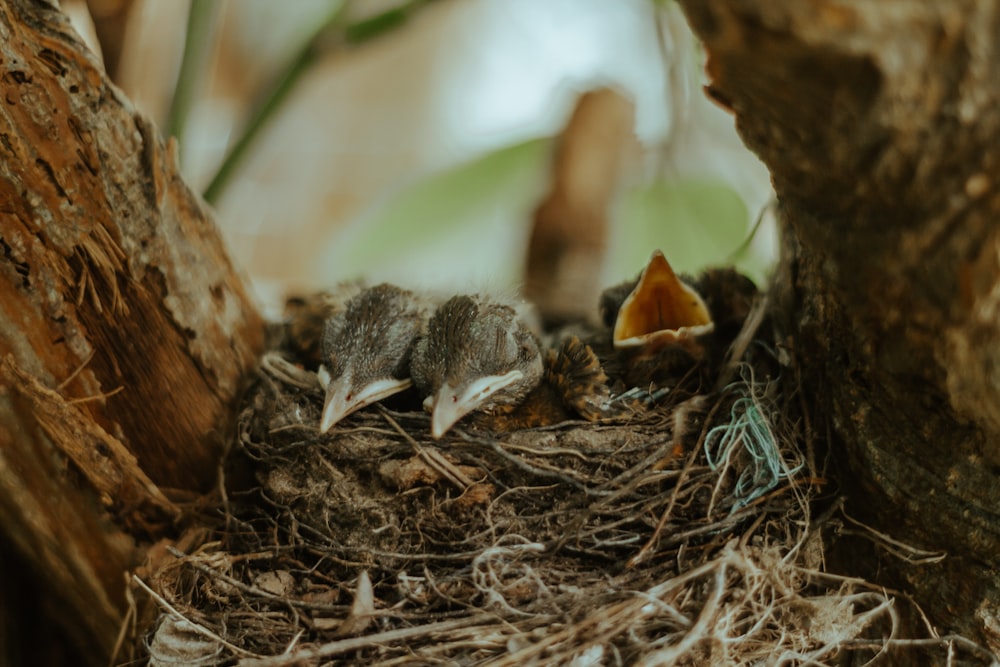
695	222
474	216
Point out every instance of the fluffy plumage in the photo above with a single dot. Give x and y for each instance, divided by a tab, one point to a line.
477	355
366	349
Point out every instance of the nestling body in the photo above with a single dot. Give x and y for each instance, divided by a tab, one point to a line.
366	349
477	355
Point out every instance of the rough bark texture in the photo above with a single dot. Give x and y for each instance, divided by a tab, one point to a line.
124	331
880	124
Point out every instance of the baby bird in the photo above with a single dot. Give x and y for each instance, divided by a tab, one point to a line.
660	311
477	354
663	324
366	350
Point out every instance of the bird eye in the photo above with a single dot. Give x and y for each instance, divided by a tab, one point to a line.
350	397
454	398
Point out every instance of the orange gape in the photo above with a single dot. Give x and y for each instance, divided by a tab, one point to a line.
661	310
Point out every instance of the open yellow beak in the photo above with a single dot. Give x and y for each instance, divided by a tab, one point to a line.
661	311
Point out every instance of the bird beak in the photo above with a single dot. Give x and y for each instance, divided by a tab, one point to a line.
450	404
342	398
661	310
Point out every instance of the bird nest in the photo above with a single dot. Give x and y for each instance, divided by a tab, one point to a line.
680	535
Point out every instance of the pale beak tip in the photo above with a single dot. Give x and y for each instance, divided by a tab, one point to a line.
334	409
440	426
327	422
443	418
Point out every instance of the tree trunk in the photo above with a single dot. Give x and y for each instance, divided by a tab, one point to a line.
124	331
880	125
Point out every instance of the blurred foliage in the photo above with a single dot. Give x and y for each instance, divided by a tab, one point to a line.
475	217
273	101
454	213
337	29
697	222
375	26
197	47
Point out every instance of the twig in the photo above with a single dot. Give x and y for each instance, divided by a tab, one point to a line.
197	627
432	457
931	642
747	334
251	590
272	102
647	548
899	549
545	472
355	643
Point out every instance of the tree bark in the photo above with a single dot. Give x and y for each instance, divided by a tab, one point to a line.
125	333
880	125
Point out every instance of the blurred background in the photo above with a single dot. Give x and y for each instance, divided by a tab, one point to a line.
415	141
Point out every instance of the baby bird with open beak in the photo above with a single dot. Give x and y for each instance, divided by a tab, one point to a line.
663	324
477	355
366	350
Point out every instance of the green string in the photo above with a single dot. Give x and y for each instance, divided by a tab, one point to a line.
748	428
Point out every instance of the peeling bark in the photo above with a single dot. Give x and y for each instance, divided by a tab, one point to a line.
879	123
125	332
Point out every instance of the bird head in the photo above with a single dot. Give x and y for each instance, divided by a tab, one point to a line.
477	354
661	311
366	350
